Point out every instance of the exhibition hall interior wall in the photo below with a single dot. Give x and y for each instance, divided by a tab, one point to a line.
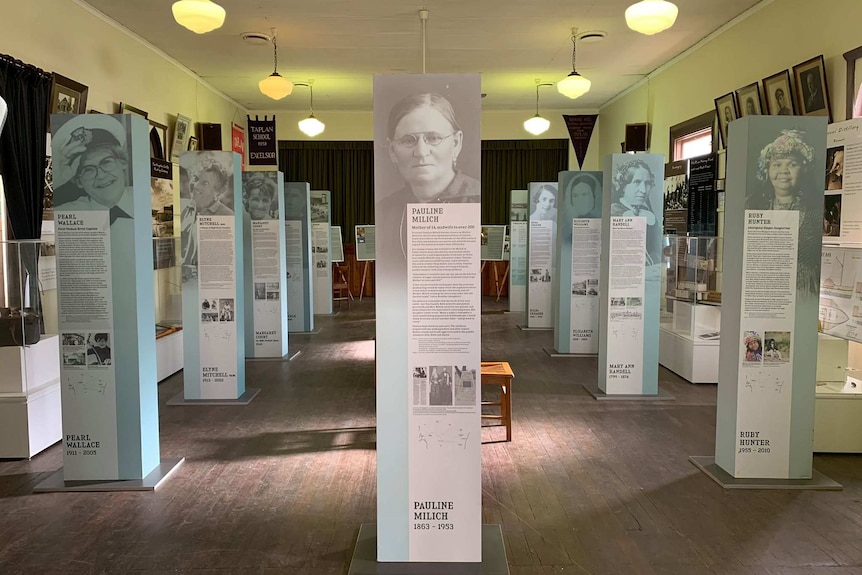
774	36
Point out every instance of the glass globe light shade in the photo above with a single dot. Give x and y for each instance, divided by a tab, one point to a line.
651	16
199	16
311	126
573	86
537	125
275	86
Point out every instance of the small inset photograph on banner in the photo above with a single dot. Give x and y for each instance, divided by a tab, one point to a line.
209	305
259	195
543	203
835	168
211	183
420	386
752	347
593	287
832	215
163	207
360	235
440	388
319	208
465	386
73	339
776	346
272	291
618	302
634	302
225	309
579	288
209	316
483	237
259	290
320	264
99	349
675	192
540	275
519	212
74	349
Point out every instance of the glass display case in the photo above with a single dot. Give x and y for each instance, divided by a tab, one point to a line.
168	286
30	415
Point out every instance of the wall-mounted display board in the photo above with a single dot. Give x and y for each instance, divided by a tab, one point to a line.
337	243
300	293
103	227
703	195
213	227
579	245
366	243
541	237
676	197
518	220
321	251
630	275
773	222
428	331
842	211
266	265
492	241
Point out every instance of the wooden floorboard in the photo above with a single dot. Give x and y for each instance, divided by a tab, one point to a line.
282	485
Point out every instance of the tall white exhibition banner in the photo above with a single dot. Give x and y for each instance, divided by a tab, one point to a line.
518	214
630	274
266	277
300	294
213	275
428	333
541	239
773	218
105	294
579	243
321	251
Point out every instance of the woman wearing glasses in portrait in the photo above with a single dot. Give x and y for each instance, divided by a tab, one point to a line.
91	166
424	141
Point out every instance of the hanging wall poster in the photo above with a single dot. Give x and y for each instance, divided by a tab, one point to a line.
262	142
579	237
266	309
703	196
337	243
772	251
366	243
321	249
842	221
518	220
213	282
676	197
300	295
541	237
105	296
428	333
492	240
237	141
631	274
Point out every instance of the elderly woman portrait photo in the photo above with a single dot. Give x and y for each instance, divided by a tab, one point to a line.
424	142
90	161
258	195
633	185
786	180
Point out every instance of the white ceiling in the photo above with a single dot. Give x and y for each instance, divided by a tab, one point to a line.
341	44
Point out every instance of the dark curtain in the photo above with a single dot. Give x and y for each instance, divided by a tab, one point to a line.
511	165
27	91
346	169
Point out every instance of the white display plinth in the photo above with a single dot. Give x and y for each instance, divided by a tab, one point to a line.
30	413
837	420
688	345
169	355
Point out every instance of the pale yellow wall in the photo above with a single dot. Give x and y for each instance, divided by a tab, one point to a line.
61	36
496	125
778	36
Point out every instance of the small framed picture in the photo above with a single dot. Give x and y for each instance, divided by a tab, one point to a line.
854	78
127	109
725	111
68	96
193	144
158	140
812	93
748	100
778	95
182	130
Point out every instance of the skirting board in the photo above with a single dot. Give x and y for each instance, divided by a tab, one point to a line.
244	399
288	357
818	481
593	389
364	561
555	353
314	332
333	314
55	484
525	328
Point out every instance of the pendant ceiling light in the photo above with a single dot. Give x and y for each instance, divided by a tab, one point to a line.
574	85
537	124
651	16
311	126
199	16
275	85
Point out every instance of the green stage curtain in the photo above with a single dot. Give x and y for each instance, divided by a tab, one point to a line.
511	165
347	170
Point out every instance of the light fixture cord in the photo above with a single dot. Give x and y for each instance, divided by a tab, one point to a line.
311	89
275	51
574	49
537	99
424	40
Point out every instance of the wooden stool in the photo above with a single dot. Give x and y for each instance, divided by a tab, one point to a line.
499	373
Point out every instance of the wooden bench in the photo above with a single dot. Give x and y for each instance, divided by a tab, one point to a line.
499	373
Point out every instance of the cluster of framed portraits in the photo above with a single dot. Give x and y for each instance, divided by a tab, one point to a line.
806	95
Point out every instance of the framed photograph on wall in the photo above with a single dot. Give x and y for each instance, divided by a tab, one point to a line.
778	94
812	93
193	144
854	78
748	100
158	140
182	131
68	96
725	112
127	109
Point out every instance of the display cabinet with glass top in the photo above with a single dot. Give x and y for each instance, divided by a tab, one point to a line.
167	253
